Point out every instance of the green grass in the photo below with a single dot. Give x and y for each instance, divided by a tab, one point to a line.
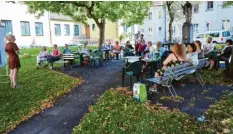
119	113
38	90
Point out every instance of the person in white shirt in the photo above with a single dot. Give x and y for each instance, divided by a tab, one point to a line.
192	55
150	47
43	55
208	47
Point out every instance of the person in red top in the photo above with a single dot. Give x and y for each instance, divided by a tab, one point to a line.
12	51
137	44
55	55
56	52
142	47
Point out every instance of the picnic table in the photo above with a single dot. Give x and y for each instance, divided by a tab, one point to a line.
131	59
152	63
106	52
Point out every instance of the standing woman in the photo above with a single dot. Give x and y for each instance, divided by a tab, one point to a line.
12	51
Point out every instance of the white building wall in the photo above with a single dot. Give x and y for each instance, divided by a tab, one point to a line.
128	31
214	17
63	39
148	29
157	23
19	13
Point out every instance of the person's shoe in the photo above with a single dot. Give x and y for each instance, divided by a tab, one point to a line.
152	89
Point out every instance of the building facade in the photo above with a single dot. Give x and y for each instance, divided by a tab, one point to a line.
50	28
206	16
110	30
154	27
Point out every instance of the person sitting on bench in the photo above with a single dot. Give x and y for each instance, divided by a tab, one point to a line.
55	55
117	49
192	55
85	54
175	58
43	55
226	52
66	50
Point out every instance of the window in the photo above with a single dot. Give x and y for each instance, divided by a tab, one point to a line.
57	29
76	30
208	26
159	14
125	28
8	25
214	35
210	5
195	27
160	30
39	28
196	8
200	36
132	29
150	29
67	29
25	28
150	15
225	24
226	34
93	26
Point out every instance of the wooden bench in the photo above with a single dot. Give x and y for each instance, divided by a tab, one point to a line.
177	73
66	59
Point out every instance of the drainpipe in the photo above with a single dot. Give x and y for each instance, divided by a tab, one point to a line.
50	34
165	21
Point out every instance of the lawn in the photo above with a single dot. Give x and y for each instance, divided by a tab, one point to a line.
38	89
117	112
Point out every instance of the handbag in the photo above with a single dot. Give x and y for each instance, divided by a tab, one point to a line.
139	92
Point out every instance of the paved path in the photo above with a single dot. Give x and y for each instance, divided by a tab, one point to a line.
68	111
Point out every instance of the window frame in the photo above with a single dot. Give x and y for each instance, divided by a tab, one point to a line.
55	29
67	29
159	14
29	30
93	27
42	31
208	6
76	25
6	24
196	6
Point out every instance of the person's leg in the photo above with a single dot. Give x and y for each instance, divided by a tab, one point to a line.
117	55
212	62
15	71
37	60
11	76
226	61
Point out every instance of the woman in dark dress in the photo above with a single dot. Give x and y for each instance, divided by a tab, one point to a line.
12	51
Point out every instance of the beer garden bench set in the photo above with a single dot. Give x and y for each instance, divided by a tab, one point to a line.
133	67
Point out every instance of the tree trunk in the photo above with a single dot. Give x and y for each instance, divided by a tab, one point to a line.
229	71
101	32
170	31
171	16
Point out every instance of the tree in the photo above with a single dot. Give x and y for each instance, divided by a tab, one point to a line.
130	12
175	13
229	71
